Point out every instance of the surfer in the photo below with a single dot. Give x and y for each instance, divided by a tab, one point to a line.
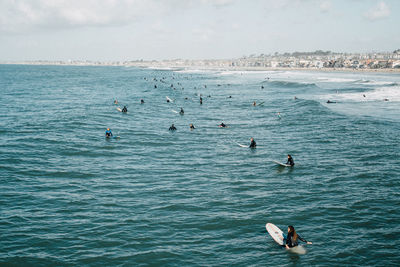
108	133
155	86
181	112
141	101
254	103
292	237
262	86
192	126
172	128
329	102
115	101
201	100
252	143
222	125
125	110
290	160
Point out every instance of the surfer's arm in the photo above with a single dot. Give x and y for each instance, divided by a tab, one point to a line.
302	239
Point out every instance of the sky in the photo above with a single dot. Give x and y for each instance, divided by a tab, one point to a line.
107	30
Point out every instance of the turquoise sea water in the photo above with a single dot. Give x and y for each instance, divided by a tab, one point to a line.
195	198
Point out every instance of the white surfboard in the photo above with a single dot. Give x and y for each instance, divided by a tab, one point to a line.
174	111
281	164
119	109
169	99
241	145
298	250
275	233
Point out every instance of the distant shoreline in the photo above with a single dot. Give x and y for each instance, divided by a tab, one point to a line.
206	68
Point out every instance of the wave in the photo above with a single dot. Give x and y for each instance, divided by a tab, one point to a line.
372	82
389	93
290	84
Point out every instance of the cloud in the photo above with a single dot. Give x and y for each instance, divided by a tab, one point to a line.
18	16
325	6
380	11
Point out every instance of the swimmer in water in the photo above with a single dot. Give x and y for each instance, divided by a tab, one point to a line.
172	128
125	110
191	126
181	112
141	101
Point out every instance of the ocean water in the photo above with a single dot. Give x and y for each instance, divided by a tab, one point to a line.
70	197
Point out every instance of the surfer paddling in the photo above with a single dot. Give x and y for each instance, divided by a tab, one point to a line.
292	237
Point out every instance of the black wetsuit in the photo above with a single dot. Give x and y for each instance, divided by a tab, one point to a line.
291	243
182	112
172	128
253	144
223	125
125	110
290	161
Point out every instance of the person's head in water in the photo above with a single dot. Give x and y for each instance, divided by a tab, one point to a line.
292	232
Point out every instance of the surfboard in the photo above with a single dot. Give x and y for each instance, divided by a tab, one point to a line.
119	109
241	145
281	164
275	233
113	137
174	111
169	99
262	103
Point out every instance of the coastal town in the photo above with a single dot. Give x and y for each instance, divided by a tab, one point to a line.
319	60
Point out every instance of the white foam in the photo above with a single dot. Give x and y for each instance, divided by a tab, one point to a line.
391	93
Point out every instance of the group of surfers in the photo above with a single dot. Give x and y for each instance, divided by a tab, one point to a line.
291	240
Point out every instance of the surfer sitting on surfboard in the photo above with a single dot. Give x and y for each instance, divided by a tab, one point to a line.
290	160
222	125
172	128
252	143
192	127
181	112
292	237
124	109
109	133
